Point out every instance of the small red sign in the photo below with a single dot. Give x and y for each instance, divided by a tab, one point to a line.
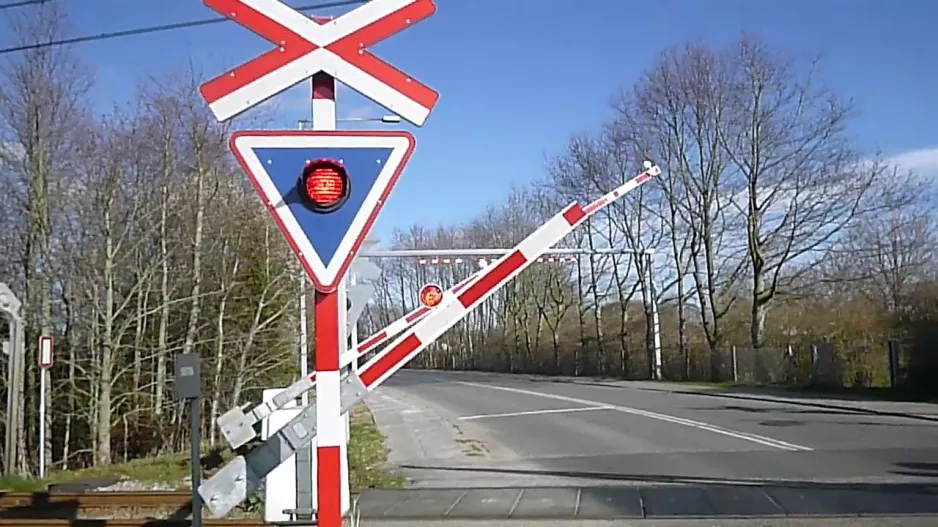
431	295
46	355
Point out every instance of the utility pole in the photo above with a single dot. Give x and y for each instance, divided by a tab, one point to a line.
10	307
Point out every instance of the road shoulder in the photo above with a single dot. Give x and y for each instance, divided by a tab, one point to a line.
421	435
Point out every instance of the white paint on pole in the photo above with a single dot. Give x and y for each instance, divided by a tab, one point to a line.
10	306
280	484
46	359
655	321
304	329
419	253
324	119
358	297
304	336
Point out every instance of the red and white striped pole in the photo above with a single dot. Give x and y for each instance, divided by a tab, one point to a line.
331	438
483	262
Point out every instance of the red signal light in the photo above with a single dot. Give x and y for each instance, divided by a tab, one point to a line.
324	185
431	295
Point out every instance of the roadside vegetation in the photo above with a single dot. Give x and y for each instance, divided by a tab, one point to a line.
367	466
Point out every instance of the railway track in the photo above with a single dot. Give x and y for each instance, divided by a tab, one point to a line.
93	500
104	509
127	523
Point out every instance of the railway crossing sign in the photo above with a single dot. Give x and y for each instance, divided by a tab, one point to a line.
306	46
324	189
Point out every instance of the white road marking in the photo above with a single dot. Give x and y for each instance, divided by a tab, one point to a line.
753	438
536	412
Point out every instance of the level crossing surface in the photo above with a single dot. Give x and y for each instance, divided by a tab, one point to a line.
501	446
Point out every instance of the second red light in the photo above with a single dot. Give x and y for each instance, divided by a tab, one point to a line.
431	295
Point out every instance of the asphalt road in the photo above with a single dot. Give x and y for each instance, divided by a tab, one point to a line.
670	454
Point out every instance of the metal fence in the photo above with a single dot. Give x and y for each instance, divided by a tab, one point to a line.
796	364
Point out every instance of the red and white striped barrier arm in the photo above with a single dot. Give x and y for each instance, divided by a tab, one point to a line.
237	424
437	261
245	474
480	261
410	318
408	345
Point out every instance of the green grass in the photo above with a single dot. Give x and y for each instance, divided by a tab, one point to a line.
20	484
366	450
169	469
368	454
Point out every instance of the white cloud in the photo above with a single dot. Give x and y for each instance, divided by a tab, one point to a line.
923	161
360	112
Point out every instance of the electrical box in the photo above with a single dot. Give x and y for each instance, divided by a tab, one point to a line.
188	381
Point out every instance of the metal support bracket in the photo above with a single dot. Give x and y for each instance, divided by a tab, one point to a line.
245	474
238	426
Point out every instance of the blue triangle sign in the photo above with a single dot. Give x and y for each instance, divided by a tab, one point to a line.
325	243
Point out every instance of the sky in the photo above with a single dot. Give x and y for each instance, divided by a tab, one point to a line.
517	78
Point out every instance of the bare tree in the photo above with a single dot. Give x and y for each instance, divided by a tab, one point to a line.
799	182
43	107
676	111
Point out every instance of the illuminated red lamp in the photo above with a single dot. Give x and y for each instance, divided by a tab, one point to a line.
324	185
431	295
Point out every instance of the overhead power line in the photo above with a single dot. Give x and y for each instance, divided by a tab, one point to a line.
153	29
21	3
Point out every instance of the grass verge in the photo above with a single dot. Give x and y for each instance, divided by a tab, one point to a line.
367	458
368	454
167	470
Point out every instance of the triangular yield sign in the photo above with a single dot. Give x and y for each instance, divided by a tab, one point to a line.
325	243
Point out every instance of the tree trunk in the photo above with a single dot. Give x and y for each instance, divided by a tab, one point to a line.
103	426
195	308
220	348
162	345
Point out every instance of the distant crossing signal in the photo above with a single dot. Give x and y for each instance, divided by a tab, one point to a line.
431	295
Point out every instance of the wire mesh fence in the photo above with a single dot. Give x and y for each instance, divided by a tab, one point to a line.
821	363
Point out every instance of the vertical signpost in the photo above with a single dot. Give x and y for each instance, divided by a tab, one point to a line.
46	359
187	386
10	306
323	187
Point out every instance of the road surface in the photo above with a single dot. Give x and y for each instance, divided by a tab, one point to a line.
504	446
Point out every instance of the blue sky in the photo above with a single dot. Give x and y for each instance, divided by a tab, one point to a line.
518	77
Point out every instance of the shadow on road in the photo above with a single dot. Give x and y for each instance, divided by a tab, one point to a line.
802	413
927	469
814	403
917	469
